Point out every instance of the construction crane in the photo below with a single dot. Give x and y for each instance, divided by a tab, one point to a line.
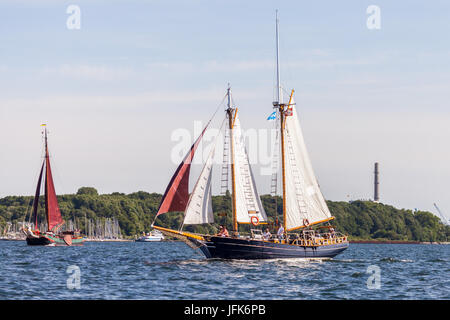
443	218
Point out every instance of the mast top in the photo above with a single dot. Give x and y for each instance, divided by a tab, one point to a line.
229	107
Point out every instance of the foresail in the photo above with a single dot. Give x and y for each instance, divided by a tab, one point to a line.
176	196
248	202
305	203
199	209
36	198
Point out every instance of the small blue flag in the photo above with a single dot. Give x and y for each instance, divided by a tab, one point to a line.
273	116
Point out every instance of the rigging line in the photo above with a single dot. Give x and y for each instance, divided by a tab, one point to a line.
218	107
214	114
211	152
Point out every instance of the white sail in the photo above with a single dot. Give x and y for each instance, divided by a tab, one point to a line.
305	203
248	202
199	208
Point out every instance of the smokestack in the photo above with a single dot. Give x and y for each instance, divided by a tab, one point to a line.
376	195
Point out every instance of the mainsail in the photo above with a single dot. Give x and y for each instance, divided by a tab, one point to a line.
248	202
52	209
305	203
176	196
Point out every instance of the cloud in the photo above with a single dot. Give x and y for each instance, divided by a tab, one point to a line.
91	72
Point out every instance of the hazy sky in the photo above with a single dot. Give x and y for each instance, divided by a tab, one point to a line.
114	91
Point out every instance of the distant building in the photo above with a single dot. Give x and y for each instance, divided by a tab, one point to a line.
376	194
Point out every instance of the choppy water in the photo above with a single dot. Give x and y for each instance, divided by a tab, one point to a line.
171	270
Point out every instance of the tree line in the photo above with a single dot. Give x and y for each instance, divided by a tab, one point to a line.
135	212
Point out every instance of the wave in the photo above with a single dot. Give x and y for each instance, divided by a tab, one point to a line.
389	259
176	262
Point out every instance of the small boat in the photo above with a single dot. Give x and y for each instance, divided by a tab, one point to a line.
53	236
153	236
303	203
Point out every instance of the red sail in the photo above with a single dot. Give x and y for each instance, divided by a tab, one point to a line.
52	209
177	193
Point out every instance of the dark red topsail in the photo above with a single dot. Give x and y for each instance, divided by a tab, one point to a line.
176	196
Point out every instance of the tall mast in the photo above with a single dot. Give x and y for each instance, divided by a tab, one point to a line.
46	144
279	94
47	159
231	113
281	108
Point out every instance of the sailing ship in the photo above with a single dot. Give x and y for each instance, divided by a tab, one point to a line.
53	236
304	206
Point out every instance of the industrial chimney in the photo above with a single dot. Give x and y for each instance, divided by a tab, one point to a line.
376	195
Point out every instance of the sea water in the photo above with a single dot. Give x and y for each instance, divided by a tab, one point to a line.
172	270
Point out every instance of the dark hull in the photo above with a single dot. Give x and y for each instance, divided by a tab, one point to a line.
231	248
41	241
48	240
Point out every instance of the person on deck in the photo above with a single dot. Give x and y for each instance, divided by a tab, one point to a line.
267	235
332	232
280	232
223	232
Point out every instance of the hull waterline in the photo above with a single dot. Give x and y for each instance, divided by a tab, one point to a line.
232	248
214	247
47	240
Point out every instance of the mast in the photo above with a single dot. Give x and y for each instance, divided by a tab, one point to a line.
231	113
46	176
283	163
280	106
279	94
53	213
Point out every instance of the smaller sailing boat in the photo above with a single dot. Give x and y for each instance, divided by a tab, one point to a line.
53	236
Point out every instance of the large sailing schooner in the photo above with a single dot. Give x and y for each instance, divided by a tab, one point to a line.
54	221
303	203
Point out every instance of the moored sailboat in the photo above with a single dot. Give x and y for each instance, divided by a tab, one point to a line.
303	203
54	221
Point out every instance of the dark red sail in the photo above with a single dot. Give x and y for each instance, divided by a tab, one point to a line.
36	198
52	209
176	196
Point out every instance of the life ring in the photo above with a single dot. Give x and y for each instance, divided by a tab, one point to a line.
305	222
252	220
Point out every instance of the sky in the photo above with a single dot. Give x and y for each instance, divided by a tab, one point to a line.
117	92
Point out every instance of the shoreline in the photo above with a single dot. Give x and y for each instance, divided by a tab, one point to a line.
351	241
394	242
